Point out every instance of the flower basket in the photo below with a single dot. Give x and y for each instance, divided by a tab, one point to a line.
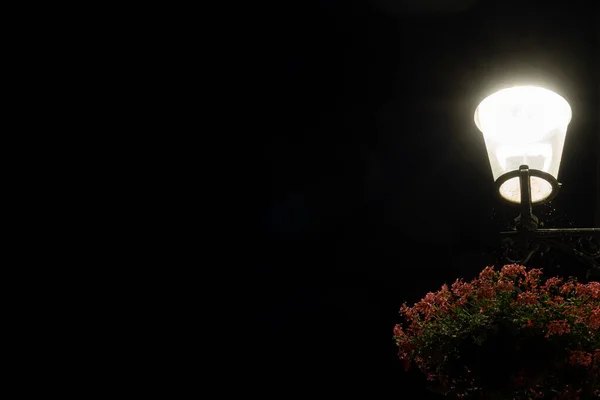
508	334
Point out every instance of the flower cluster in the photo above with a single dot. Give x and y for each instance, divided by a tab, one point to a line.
549	328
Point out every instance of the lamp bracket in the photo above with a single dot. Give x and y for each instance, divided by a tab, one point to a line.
521	244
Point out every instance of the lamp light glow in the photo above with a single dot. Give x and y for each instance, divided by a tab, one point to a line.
524	125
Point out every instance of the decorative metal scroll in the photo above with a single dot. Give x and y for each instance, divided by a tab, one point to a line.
583	244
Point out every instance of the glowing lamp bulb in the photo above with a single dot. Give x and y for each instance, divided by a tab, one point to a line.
524	125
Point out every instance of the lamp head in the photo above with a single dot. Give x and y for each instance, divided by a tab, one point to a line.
524	125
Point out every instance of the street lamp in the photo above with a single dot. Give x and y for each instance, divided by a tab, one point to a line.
524	129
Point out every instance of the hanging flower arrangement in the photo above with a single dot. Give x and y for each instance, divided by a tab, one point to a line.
508	334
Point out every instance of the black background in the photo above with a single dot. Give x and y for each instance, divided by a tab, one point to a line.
380	185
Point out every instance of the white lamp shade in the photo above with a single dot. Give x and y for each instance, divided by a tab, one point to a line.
524	125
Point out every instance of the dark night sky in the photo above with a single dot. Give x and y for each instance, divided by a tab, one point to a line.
380	185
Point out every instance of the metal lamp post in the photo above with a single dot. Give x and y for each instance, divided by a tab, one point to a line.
524	129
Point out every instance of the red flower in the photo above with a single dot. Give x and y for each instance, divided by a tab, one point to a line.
404	309
512	271
581	358
398	332
504	286
487	274
559	327
527	298
529	323
462	290
592	289
568	287
551	283
445	318
485	291
533	278
594	321
574	312
555	301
